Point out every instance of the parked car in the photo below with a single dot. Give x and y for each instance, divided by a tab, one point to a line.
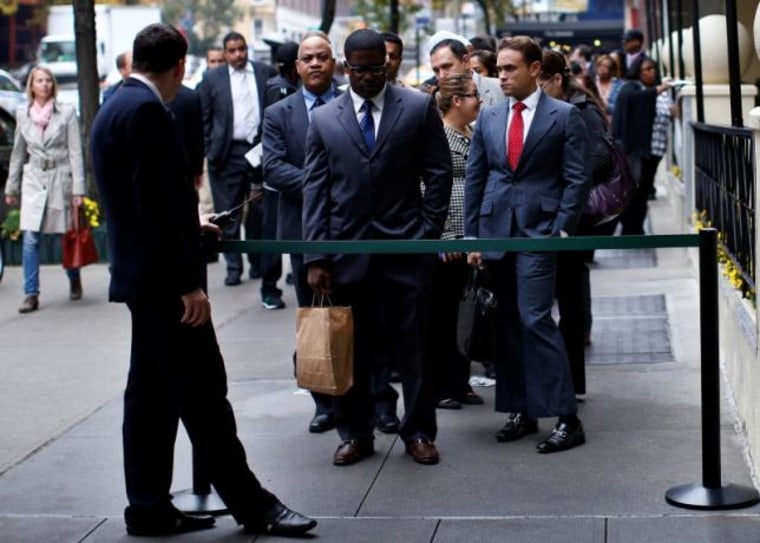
12	96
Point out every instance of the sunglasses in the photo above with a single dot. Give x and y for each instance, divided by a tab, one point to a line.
375	69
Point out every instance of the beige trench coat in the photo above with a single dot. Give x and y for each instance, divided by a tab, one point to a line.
46	169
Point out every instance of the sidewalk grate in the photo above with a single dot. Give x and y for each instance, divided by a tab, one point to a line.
625	258
629	330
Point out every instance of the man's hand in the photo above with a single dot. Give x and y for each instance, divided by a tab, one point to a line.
10	200
197	308
198	181
475	260
451	257
257	194
319	279
207	225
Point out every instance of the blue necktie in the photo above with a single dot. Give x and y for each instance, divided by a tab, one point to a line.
367	125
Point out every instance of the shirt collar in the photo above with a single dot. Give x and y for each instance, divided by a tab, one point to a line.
148	83
378	100
309	97
530	102
247	68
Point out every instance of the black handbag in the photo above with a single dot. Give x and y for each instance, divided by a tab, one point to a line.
608	200
476	320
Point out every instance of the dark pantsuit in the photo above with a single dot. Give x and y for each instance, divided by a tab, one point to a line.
633	217
390	307
451	369
177	372
532	372
271	263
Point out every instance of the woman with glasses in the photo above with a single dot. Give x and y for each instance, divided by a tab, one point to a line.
573	290
459	103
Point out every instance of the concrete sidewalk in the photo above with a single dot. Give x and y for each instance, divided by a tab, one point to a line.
63	370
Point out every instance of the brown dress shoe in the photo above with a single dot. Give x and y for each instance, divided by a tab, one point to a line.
422	451
30	303
75	289
352	450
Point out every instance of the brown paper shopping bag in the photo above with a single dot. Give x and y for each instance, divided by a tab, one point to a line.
325	349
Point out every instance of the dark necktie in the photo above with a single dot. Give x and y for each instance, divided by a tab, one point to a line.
515	137
318	102
367	125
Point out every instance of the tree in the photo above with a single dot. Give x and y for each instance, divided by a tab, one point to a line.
496	10
328	15
201	21
87	73
377	13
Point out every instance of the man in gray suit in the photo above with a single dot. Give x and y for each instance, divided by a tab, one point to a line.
232	103
449	56
366	154
284	138
535	187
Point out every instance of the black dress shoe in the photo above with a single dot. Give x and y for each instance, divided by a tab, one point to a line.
517	426
232	280
279	520
449	403
387	423
563	437
352	451
174	522
321	422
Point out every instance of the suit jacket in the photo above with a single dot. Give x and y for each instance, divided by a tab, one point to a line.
186	107
284	145
489	89
150	203
547	191
216	104
351	192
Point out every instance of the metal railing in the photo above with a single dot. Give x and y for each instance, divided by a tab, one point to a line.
724	180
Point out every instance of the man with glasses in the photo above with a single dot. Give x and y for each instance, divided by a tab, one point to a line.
366	153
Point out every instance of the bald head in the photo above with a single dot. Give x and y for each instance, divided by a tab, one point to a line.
316	63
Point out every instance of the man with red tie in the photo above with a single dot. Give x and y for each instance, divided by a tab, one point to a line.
526	177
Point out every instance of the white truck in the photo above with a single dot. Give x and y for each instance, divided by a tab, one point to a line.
115	29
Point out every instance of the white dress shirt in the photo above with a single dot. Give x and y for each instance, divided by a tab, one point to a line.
245	103
531	102
377	106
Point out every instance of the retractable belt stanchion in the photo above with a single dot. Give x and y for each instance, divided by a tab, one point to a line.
200	499
711	493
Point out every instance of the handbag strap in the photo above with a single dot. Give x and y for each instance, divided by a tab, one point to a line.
75	216
321	300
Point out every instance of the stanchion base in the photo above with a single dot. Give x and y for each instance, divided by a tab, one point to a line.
199	504
697	496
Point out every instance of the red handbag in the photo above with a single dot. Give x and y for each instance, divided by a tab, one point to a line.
78	245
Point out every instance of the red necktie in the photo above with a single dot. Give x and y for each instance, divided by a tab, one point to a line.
515	136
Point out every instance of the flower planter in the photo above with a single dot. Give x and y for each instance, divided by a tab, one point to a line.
51	251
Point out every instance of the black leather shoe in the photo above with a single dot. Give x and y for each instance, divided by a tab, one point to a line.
387	423
174	522
517	426
232	280
352	451
321	423
563	437
279	520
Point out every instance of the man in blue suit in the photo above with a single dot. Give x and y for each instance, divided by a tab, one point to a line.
232	102
535	186
176	370
284	138
366	154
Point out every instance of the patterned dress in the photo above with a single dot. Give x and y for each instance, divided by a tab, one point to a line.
460	149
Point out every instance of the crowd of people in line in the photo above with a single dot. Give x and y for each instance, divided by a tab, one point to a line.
505	140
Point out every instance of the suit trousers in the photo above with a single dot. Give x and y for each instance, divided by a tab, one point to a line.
230	185
532	371
570	294
636	213
305	296
451	369
390	306
177	373
270	263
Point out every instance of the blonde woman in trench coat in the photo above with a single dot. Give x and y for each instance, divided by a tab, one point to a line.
46	176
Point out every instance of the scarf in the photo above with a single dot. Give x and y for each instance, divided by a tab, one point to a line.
40	114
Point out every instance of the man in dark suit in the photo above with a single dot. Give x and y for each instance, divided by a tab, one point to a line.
366	154
176	370
284	137
535	186
124	66
186	107
232	101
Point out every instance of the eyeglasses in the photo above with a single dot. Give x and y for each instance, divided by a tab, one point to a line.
375	69
474	94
